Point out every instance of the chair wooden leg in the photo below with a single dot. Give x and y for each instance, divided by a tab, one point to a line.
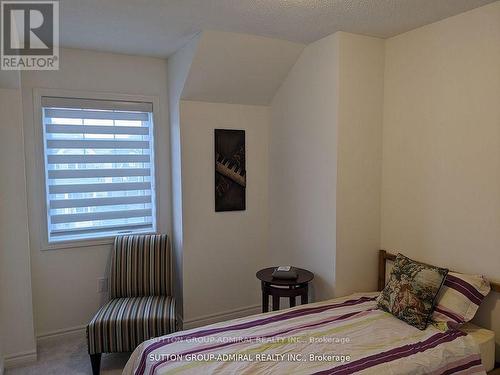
95	360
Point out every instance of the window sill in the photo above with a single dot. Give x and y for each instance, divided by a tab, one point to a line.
71	244
91	242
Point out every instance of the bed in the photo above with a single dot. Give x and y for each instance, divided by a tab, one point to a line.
339	336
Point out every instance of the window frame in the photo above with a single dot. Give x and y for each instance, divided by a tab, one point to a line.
40	163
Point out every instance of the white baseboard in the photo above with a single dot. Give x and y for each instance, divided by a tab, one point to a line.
19	359
61	333
179	322
222	316
188	324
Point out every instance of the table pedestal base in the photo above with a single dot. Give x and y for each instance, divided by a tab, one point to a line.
276	292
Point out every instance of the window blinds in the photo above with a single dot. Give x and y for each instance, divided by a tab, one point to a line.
99	168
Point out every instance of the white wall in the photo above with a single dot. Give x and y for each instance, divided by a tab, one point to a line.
16	314
222	250
303	166
65	281
2	362
178	69
441	156
359	162
244	70
325	164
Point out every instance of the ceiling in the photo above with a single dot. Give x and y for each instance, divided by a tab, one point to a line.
160	27
253	68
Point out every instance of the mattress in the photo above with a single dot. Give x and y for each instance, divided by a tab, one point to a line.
485	339
340	336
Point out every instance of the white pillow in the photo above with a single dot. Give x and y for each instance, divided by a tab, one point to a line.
459	299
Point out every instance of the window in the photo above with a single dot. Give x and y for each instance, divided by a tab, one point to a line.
99	168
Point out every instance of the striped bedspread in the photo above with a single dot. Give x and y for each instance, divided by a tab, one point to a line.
340	336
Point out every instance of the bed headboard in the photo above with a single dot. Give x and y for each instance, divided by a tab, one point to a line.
384	256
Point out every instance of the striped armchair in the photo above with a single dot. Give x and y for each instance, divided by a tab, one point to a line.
141	304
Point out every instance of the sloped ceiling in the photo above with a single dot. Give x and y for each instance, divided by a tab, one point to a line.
238	68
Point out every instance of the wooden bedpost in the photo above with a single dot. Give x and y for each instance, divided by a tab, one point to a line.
381	269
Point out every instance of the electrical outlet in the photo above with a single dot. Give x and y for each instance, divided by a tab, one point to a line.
102	285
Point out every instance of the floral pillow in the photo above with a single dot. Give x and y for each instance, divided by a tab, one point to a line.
411	291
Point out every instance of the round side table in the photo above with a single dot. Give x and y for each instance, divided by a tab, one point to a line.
283	288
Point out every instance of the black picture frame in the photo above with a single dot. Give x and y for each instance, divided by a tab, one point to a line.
230	170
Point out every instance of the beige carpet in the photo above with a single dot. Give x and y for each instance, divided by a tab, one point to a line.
69	356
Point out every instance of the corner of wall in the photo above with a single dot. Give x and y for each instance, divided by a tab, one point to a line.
16	309
2	361
178	67
360	121
301	229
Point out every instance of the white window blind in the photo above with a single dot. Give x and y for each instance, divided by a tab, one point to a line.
99	168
